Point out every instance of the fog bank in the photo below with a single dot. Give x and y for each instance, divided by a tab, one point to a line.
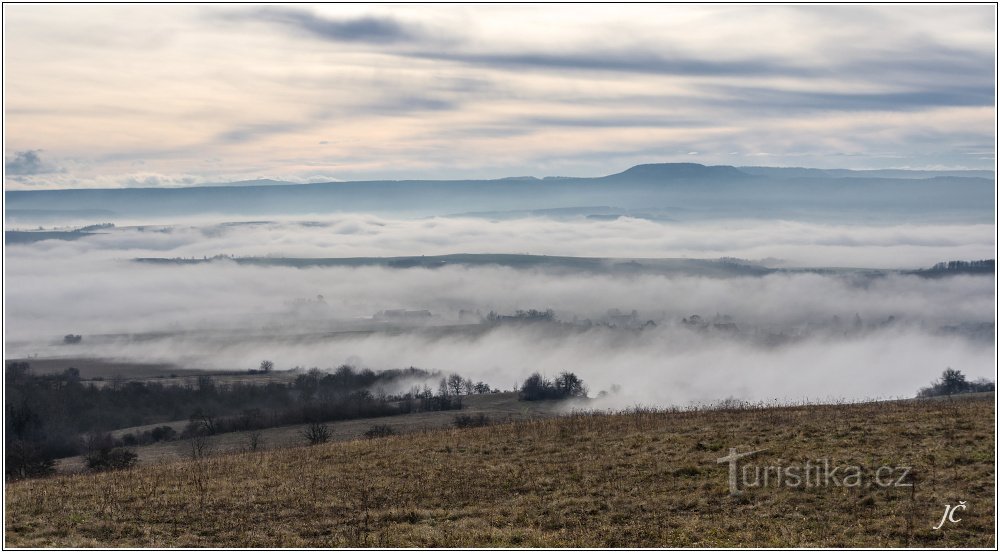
788	336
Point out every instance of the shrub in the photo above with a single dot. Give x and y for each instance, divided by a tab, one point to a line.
380	431
27	460
470	421
254	440
316	433
116	458
162	433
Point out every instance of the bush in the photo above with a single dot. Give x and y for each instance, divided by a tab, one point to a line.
316	433
470	421
116	458
27	460
162	433
380	431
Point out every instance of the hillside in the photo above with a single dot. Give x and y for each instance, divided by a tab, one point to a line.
646	479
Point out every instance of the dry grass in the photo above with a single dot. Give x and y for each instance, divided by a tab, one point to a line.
637	479
499	407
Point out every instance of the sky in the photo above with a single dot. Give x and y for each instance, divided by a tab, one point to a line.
174	95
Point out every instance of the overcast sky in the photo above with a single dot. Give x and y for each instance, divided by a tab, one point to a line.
178	94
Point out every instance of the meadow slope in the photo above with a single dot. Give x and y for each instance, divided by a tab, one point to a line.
632	479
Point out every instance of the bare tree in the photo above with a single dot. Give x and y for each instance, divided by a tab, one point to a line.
266	366
203	423
316	433
254	440
455	384
198	447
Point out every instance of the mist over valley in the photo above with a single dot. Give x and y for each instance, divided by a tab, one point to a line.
665	305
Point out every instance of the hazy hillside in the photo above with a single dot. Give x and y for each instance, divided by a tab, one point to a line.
557	264
685	190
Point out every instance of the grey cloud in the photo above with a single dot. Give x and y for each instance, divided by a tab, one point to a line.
408	103
28	162
926	61
385	30
361	29
247	133
769	98
623	62
479	132
615	121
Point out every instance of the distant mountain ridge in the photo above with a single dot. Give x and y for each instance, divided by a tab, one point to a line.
786	172
696	190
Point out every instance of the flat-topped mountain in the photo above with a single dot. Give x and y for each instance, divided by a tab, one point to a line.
668	171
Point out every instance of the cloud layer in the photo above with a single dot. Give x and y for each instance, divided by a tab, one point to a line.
361	92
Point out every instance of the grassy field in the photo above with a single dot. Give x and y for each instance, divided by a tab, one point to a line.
498	407
633	479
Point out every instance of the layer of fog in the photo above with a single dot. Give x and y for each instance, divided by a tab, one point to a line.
668	365
49	297
231	317
222	315
779	243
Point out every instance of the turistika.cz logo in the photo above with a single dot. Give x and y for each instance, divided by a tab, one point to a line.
813	473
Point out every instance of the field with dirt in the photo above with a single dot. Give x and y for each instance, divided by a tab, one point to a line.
637	479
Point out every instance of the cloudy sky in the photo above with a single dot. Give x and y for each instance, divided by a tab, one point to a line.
170	95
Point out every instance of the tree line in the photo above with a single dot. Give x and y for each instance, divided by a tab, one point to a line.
980	264
49	416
